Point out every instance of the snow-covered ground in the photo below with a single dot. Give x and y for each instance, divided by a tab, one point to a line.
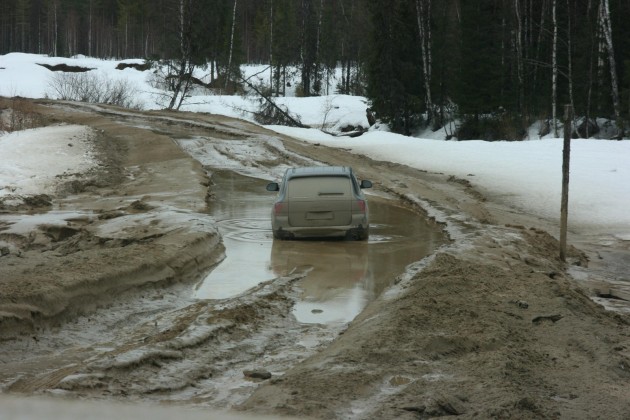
526	174
32	160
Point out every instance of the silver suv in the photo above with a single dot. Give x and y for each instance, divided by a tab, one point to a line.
320	201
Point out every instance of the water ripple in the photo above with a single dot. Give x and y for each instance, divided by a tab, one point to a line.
252	229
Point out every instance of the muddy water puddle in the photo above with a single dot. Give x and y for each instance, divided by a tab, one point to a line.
342	276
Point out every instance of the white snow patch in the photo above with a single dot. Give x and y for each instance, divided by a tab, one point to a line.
32	160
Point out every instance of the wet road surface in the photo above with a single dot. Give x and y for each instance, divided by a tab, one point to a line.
343	276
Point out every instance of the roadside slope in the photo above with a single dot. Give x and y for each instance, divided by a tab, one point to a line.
491	327
136	219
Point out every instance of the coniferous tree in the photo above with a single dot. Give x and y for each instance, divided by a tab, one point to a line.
446	43
286	46
308	45
484	91
394	65
354	44
492	60
423	13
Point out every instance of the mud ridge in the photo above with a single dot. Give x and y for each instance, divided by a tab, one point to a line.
446	351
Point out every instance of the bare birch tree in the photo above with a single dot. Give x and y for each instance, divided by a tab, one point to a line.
554	69
600	60
55	27
570	56
317	81
423	13
181	70
606	26
229	66
270	47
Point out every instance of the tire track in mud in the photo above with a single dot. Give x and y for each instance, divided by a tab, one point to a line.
178	355
45	381
197	352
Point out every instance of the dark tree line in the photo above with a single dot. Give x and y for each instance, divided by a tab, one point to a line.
310	34
499	64
496	65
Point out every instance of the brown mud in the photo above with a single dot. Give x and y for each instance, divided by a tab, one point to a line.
491	325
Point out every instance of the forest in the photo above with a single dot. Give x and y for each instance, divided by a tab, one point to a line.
495	66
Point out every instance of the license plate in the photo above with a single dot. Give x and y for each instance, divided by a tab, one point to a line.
319	215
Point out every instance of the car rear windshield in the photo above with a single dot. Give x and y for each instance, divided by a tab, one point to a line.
320	187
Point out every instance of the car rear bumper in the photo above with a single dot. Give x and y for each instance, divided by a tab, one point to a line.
357	229
352	231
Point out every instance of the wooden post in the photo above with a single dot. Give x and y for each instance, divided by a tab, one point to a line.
564	205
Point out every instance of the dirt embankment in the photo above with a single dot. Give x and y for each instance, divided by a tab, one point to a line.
495	331
134	219
490	326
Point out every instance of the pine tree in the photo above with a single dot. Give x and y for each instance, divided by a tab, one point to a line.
482	93
394	65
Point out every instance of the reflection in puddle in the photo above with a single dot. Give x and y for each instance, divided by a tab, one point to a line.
339	310
247	229
343	276
338	286
241	209
246	265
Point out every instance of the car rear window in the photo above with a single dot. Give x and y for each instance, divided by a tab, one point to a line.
320	187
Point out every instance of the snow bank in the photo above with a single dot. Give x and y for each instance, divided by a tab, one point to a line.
33	160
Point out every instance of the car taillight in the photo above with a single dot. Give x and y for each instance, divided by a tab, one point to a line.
277	208
361	204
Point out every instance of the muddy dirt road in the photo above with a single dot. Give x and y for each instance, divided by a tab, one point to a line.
113	289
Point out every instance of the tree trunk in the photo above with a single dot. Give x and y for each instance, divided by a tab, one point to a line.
519	55
271	47
305	49
607	32
184	67
181	26
554	69
177	88
55	26
564	199
186	84
318	81
569	56
539	43
273	104
348	77
423	14
90	29
229	68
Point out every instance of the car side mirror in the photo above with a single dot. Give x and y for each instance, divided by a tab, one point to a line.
273	186
366	184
